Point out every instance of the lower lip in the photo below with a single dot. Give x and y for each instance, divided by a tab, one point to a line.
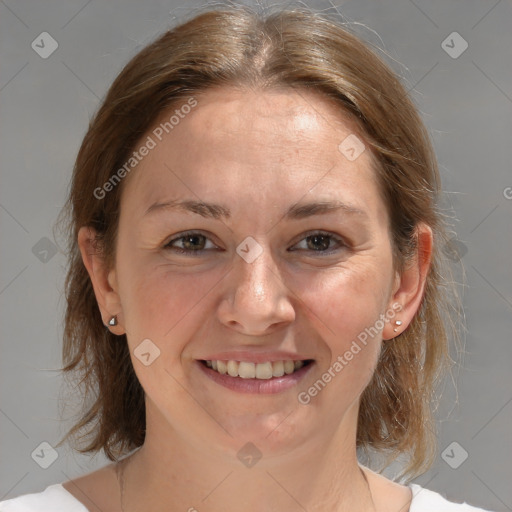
256	386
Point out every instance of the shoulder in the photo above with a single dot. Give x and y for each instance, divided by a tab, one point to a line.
391	496
53	499
94	492
424	500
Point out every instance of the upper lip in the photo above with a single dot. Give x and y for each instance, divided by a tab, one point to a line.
254	357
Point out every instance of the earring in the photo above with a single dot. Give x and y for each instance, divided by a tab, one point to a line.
113	321
399	323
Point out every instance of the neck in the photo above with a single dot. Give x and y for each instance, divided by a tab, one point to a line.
317	476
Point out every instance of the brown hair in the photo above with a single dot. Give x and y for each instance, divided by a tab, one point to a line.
287	49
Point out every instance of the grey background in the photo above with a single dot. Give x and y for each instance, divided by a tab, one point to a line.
467	105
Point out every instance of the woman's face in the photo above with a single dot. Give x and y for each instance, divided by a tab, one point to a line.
276	249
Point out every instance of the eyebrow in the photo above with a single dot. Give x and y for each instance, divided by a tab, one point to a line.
215	211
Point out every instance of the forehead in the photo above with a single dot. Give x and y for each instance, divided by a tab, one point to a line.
235	121
236	142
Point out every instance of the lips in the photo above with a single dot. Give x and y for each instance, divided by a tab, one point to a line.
255	373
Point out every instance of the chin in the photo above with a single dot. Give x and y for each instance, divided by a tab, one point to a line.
272	434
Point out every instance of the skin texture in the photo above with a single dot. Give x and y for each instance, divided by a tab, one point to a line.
257	154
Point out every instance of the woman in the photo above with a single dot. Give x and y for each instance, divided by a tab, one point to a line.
255	286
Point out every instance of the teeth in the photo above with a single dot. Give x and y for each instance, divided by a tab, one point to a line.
288	367
233	368
248	370
222	367
278	369
263	370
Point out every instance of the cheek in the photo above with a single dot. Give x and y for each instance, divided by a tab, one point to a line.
163	304
346	300
346	307
164	307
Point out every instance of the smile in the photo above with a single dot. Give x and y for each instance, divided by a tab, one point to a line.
248	370
249	377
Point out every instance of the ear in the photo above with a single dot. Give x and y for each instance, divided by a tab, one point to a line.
410	285
104	281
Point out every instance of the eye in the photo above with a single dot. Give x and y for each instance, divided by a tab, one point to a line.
320	242
195	243
190	243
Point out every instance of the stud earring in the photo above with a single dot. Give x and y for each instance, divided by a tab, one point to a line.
113	321
399	323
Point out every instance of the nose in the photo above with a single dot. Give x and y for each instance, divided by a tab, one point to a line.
257	301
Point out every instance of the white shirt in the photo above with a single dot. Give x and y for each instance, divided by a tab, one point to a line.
57	499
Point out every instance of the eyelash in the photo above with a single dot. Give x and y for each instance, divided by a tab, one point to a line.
182	236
